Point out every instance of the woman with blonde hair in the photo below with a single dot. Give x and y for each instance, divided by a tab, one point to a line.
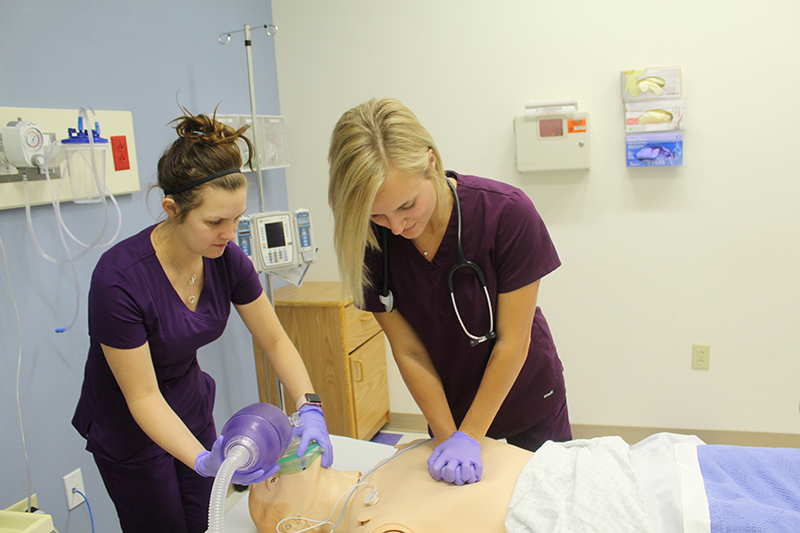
450	265
146	407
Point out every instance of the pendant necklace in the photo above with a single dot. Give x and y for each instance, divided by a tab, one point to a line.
425	248
192	298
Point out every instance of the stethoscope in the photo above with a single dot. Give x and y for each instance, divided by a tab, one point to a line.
387	297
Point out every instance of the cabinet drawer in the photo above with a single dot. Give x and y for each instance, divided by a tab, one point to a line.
360	326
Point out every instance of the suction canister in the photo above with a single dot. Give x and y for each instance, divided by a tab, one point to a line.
86	163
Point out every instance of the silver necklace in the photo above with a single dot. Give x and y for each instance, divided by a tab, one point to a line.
192	298
425	248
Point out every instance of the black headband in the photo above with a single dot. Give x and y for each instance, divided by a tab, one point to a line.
195	183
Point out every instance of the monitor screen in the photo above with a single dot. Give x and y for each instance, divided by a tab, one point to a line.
275	236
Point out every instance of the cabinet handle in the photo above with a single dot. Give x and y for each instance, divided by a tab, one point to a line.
366	317
360	370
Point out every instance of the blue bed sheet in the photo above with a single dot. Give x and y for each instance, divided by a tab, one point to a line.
751	490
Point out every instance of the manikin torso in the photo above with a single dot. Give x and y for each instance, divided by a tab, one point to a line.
410	500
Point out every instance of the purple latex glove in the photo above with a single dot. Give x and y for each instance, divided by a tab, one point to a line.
207	464
314	428
457	460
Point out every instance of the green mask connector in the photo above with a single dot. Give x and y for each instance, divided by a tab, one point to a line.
290	463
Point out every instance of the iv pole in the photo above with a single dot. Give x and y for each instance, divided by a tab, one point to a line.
225	38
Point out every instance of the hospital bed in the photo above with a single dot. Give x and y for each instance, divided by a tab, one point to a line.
666	483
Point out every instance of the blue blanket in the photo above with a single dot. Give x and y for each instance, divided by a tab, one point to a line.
751	490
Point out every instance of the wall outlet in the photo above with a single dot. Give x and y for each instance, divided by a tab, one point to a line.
701	355
74	480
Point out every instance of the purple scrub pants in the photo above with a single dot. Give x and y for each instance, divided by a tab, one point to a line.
159	493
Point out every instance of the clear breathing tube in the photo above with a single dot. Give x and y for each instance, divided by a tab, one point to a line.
61	226
238	456
255	437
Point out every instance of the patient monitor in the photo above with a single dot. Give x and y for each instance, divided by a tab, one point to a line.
279	242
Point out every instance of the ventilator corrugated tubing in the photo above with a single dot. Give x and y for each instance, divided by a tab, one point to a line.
236	458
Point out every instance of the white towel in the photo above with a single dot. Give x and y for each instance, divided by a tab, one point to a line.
579	486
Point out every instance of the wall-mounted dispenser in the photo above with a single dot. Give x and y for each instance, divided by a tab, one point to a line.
655	116
552	136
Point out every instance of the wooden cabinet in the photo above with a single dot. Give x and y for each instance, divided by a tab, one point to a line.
344	352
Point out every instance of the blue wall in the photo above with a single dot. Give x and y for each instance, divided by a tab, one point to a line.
144	57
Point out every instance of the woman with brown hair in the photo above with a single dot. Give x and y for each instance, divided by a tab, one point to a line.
155	299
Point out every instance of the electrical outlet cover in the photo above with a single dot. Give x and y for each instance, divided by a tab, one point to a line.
701	355
74	480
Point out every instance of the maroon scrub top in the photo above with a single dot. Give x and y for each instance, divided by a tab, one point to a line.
503	233
131	301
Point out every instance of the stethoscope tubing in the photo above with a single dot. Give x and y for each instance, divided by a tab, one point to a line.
461	263
387	297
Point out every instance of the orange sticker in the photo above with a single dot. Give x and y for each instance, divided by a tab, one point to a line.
577	125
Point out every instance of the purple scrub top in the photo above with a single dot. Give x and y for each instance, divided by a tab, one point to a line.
503	233
131	301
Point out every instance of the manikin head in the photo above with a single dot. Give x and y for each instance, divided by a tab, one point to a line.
310	493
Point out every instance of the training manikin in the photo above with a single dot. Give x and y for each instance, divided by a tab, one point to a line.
409	499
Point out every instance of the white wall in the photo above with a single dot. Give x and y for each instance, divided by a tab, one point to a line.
653	259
